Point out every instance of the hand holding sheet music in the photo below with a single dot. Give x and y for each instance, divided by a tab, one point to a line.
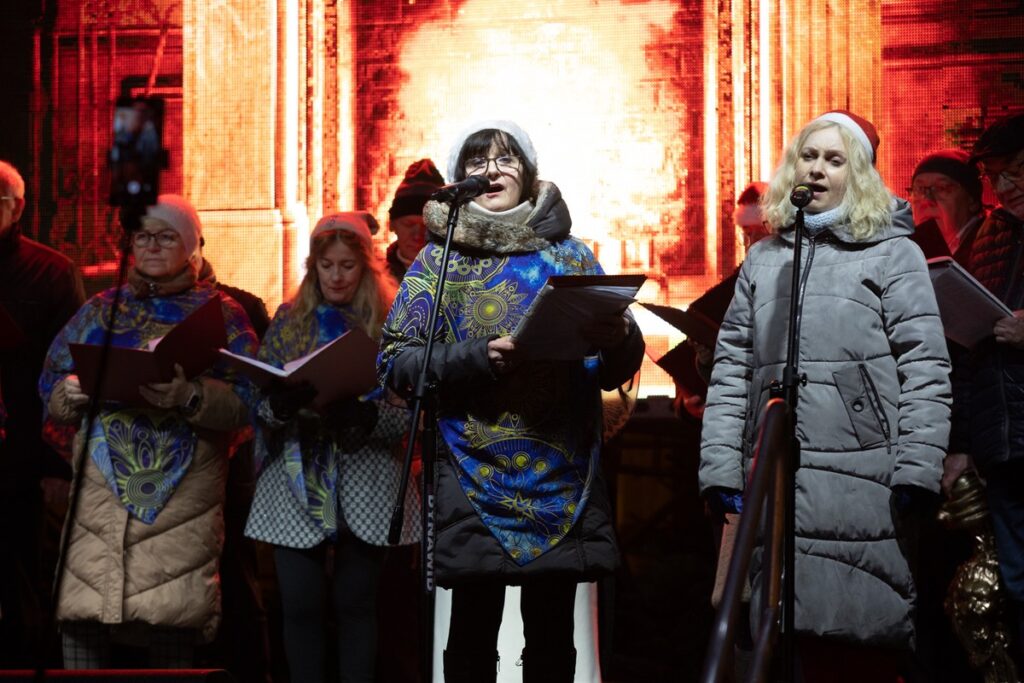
968	310
343	368
563	320
192	344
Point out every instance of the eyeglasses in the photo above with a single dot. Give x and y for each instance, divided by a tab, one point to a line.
936	191
506	162
164	240
1012	174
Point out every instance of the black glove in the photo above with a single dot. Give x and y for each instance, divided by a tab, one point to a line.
288	399
721	500
914	500
352	413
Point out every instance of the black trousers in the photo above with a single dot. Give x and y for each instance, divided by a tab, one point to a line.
306	596
547	607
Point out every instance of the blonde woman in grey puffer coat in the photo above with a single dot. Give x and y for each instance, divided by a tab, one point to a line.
873	415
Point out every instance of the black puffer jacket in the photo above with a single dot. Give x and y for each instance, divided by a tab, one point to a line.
989	412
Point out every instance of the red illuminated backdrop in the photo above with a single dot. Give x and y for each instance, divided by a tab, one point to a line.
650	116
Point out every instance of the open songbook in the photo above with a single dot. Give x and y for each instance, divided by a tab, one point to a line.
550	330
192	344
343	368
968	310
691	322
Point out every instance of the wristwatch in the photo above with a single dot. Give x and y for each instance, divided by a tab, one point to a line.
194	402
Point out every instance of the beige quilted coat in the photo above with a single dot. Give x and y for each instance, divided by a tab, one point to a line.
120	570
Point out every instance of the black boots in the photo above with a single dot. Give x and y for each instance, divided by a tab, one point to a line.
542	666
471	667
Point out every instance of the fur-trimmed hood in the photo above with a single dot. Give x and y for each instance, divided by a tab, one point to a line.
548	222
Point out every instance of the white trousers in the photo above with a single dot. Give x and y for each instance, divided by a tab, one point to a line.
510	635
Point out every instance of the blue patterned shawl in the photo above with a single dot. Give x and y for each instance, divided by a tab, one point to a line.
310	447
526	451
143	453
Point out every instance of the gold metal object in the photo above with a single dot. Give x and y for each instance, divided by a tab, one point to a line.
975	601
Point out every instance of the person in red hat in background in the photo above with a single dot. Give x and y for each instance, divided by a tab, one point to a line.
405	217
873	414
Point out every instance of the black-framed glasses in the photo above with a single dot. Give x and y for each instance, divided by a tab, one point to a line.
164	240
506	162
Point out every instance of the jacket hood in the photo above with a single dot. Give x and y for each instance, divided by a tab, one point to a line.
901	225
549	221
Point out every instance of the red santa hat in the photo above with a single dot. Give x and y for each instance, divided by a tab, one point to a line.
862	130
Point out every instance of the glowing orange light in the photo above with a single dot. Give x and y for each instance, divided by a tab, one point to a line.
577	76
577	80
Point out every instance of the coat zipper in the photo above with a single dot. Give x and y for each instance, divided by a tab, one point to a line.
800	296
1010	300
876	405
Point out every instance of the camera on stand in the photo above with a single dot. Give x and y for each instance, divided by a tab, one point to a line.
136	157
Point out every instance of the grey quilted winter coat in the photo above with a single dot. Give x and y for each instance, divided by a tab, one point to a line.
874	413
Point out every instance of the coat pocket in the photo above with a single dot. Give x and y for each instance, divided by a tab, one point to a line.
863	405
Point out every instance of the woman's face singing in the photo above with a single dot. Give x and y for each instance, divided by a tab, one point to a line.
339	271
504	170
823	165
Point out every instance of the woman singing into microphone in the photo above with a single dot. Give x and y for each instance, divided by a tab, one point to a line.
873	415
520	499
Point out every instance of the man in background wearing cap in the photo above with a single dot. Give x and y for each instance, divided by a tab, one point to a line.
40	290
989	426
406	214
945	196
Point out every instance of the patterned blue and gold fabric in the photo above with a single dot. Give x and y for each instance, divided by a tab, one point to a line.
310	449
142	452
526	451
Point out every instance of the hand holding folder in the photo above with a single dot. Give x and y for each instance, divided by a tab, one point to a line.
551	328
192	344
968	309
343	368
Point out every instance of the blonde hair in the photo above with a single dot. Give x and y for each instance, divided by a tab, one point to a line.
866	205
373	297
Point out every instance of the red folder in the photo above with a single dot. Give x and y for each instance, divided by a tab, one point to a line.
192	344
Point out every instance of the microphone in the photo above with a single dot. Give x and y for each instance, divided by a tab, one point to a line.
801	196
473	186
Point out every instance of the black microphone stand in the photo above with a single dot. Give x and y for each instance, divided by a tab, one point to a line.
424	401
789	392
131	217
